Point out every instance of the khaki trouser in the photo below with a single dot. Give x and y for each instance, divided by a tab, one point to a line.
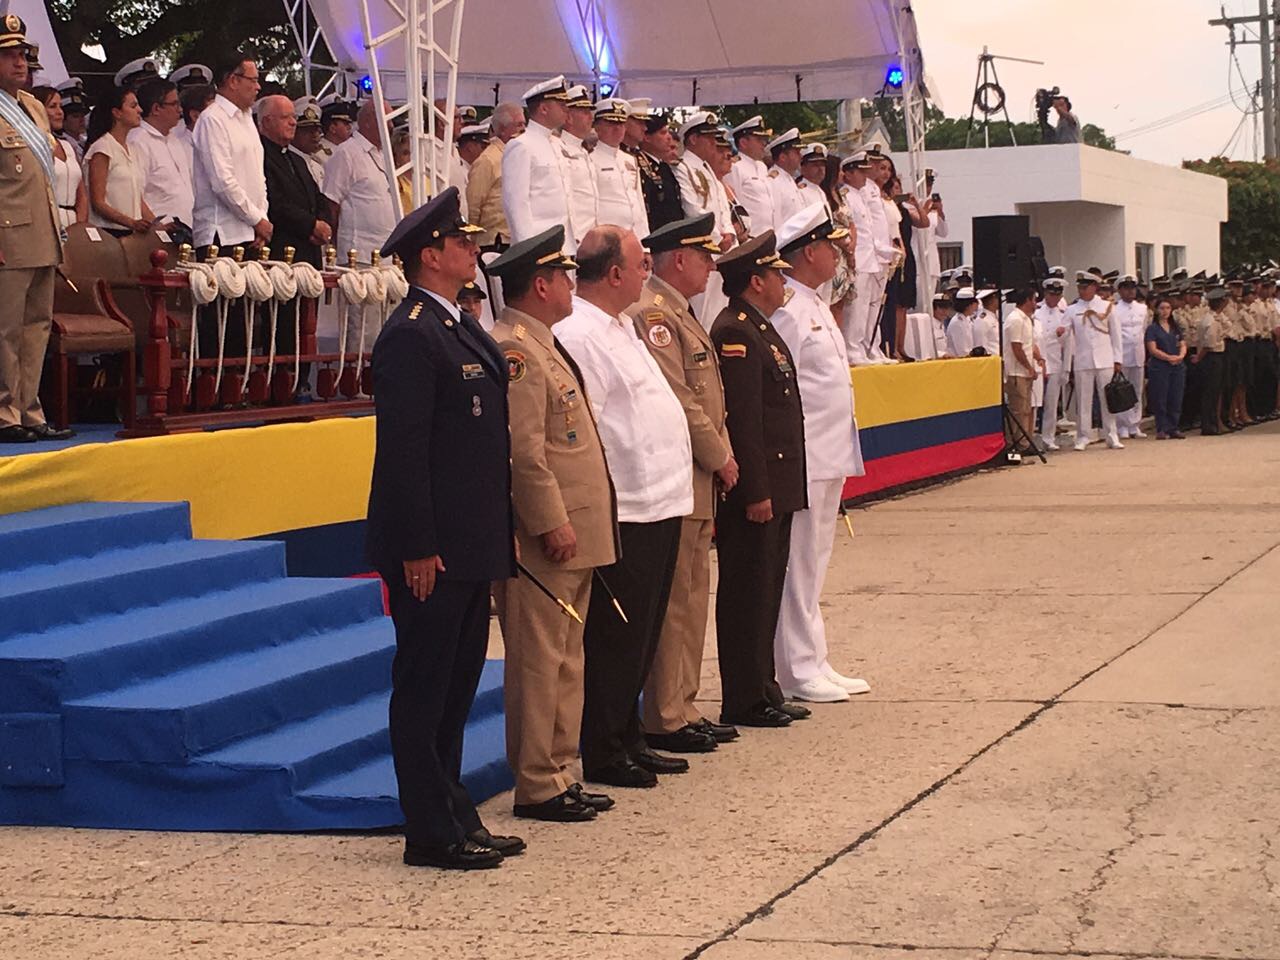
673	682
542	684
26	311
1018	390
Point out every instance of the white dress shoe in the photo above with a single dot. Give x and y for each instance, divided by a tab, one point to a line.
1049	444
1137	434
817	690
1081	444
851	685
1114	443
1122	433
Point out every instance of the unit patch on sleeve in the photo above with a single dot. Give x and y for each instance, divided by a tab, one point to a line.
731	350
515	366
660	335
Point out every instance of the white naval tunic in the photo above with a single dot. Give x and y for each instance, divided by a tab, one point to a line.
1097	349
832	453
749	181
535	192
621	199
785	194
701	192
584	198
1133	318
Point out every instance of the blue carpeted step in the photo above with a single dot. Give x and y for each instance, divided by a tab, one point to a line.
73	591
38	670
484	770
55	534
190	711
341	739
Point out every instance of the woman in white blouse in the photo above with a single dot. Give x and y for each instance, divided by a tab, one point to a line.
115	177
68	184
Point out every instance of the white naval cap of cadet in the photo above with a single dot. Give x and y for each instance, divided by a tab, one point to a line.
613	110
143	65
557	88
790	138
986	292
306	110
704	121
578	96
753	126
810	225
190	74
73	83
814	151
966	293
475	131
640	108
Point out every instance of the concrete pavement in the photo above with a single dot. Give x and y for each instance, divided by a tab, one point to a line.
1070	750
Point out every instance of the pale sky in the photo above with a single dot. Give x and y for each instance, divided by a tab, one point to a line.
1123	63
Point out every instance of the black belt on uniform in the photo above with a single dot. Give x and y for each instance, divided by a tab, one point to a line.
63	206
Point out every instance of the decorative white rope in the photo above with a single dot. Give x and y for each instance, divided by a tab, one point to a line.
309	283
351	285
204	290
231	286
258	288
283	289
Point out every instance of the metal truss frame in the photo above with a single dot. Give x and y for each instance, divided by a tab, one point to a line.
307	36
595	28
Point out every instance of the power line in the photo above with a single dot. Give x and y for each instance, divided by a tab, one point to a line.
1187	113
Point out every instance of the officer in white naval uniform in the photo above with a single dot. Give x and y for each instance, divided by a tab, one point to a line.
960	339
1098	353
580	171
617	172
535	189
702	192
1133	318
887	240
832	453
307	113
787	201
986	324
1056	348
748	178
862	310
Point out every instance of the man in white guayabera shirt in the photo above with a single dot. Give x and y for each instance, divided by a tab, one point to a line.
646	443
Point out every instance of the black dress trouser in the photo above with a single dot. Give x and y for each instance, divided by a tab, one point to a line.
440	652
753	567
619	655
1210	390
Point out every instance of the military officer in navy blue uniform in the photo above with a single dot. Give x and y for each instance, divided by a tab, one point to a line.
753	524
440	526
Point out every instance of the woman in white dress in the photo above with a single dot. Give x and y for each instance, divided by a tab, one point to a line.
68	183
115	177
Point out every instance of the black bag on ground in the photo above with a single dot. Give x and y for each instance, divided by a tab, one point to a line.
1121	395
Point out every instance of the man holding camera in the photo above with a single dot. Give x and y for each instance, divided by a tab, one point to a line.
1068	127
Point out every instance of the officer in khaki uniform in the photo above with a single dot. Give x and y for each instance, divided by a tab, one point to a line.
1209	359
565	524
30	243
1187	317
682	262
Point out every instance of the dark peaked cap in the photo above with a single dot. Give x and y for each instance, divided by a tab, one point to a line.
693	232
754	256
544	250
439	217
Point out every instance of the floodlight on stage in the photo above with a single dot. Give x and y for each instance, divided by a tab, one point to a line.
606	90
366	84
894	77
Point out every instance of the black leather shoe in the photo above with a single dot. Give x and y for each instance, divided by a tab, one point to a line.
795	711
466	855
16	434
623	773
43	431
762	715
657	763
562	808
596	801
507	846
722	732
688	739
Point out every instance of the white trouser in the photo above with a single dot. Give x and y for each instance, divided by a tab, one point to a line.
1131	418
1088	383
1053	384
872	340
707	306
860	316
800	643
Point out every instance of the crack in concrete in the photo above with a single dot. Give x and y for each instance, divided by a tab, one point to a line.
1020	951
766	908
1005	930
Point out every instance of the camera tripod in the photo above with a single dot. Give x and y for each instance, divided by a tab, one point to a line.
1013	430
986	87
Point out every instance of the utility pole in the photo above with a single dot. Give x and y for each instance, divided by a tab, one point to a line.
1264	21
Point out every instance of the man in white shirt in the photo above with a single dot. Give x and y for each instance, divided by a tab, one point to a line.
230	183
1056	349
748	178
1133	319
832	454
580	172
1020	368
702	192
355	181
617	171
535	187
165	163
926	241
646	442
1096	335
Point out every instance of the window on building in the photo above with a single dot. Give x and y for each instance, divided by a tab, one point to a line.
1144	259
950	255
1174	257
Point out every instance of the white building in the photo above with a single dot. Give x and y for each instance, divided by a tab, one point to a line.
1090	207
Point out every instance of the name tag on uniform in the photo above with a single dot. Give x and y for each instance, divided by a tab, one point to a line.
569	396
472	371
572	436
699	357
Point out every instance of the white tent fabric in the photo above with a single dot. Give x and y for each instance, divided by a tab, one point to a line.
35	15
677	52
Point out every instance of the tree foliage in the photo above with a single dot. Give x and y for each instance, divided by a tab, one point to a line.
1253	200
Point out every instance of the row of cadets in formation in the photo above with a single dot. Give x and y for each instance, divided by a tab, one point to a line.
603	432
